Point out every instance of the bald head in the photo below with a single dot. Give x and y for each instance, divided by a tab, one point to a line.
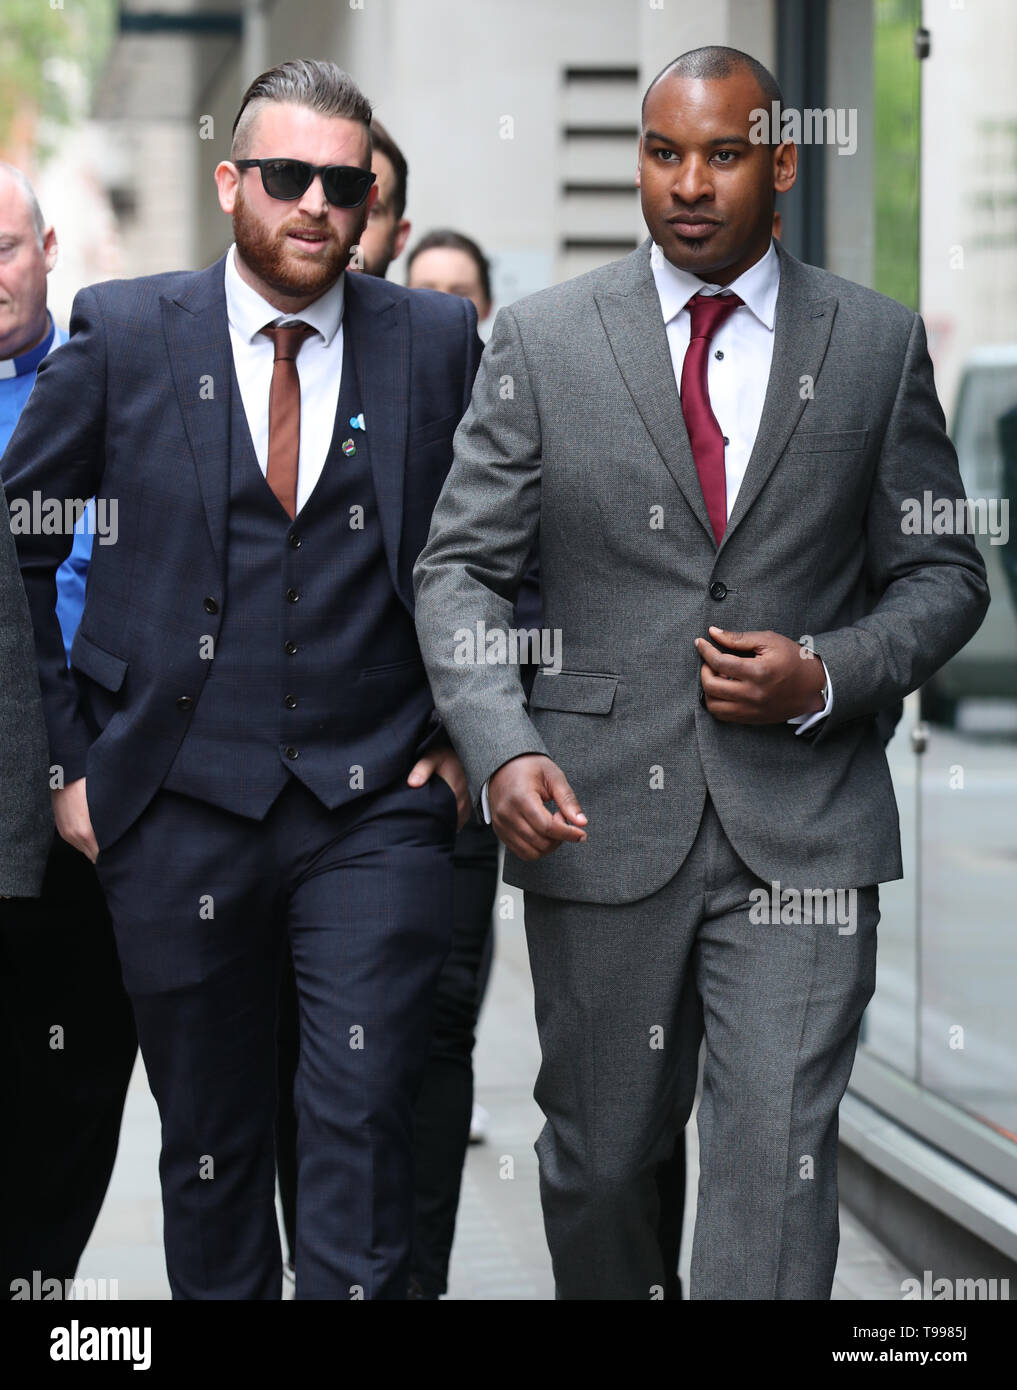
28	251
14	184
714	63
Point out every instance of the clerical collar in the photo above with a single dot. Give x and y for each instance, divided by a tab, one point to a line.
29	361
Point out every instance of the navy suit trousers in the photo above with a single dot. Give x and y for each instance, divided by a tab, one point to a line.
200	899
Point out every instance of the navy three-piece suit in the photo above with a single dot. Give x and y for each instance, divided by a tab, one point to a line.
246	700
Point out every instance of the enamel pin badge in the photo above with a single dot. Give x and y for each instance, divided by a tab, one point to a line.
356	423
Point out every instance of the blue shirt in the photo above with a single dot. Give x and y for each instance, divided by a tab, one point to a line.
17	377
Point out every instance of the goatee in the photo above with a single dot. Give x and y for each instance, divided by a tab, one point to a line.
270	254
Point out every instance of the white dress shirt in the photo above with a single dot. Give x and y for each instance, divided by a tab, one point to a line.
736	379
319	367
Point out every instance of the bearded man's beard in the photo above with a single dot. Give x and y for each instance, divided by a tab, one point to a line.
273	256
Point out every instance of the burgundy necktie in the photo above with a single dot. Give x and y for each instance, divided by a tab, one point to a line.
708	313
284	413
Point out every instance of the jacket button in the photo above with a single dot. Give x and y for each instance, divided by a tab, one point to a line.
185	702
718	590
210	605
290	701
291	649
291	753
295	540
292	595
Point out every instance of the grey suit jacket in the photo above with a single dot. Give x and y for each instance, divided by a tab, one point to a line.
26	819
575	433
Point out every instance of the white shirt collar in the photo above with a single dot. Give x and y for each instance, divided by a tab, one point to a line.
757	286
248	312
9	365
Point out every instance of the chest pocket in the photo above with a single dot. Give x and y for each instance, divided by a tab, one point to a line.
826	441
432	433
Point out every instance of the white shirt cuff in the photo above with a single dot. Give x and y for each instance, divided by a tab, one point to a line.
806	721
485	805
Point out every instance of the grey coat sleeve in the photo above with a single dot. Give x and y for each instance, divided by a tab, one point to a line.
26	819
932	590
466	580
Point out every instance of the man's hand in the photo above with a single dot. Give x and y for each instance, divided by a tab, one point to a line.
73	823
516	794
446	764
774	681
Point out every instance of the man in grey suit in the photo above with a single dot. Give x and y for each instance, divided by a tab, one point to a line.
26	821
713	442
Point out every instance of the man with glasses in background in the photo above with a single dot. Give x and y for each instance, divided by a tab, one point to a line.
255	750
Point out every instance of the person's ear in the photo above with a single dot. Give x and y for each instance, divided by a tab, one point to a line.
227	182
785	166
402	236
50	249
639	161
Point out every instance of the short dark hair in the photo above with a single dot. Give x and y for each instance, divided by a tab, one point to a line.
443	239
717	61
382	143
323	87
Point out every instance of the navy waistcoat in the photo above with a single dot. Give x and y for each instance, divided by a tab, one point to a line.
316	672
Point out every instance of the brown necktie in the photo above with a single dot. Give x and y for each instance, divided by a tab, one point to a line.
284	413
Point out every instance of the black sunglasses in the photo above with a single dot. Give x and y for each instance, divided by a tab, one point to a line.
345	185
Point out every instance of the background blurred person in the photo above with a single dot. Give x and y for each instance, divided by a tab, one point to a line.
453	263
67	1027
447	1116
387	230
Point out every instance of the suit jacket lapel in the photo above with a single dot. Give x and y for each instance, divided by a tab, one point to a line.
378	325
801	334
196	330
630	313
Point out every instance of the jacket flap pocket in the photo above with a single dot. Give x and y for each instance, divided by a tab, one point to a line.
827	441
97	664
575	692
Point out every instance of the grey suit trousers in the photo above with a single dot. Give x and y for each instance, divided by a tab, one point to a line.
624	996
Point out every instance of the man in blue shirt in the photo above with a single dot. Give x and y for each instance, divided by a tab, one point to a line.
66	1027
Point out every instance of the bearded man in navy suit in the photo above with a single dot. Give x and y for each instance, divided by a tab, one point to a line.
247	736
